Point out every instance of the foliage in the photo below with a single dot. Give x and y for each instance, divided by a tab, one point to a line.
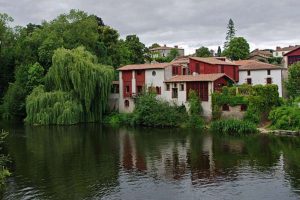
293	82
27	77
150	111
116	119
219	52
195	111
4	173
154	45
76	90
230	33
203	52
233	127
275	60
238	49
7	57
286	117
260	99
174	53
136	49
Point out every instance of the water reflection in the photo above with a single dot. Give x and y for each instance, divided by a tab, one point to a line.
92	162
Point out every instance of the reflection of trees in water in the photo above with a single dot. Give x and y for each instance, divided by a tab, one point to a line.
71	162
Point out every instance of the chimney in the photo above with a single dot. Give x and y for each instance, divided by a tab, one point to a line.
278	48
176	46
165	45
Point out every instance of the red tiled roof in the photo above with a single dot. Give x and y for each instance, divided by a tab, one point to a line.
289	48
213	61
181	60
196	78
255	65
145	66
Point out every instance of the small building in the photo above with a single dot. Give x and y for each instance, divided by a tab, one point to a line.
177	89
213	65
292	57
164	51
254	72
279	52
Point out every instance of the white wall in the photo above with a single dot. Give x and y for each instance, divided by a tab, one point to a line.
259	77
279	53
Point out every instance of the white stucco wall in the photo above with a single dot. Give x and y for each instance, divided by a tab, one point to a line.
279	53
259	77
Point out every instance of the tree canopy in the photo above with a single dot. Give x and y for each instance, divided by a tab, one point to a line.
230	33
76	90
203	52
238	49
293	82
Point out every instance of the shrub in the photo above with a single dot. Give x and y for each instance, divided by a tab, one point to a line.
117	119
233	127
3	161
285	117
152	112
195	120
293	82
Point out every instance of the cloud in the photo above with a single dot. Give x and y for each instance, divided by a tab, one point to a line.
188	23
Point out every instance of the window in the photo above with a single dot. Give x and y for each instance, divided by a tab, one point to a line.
127	89
174	93
204	91
126	103
158	91
115	89
184	71
243	107
175	85
269	80
269	72
249	81
175	70
197	70
153	73
139	89
181	87
248	72
225	107
168	87
138	72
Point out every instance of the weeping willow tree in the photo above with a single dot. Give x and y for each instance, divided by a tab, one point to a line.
76	90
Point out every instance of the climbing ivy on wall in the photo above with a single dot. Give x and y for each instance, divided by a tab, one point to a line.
76	90
260	99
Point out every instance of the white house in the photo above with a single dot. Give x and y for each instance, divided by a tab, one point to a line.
164	51
279	52
255	72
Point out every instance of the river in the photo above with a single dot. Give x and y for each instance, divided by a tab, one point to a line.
94	162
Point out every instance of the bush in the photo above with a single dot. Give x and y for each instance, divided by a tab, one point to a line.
152	112
233	127
3	161
285	117
195	120
293	82
117	119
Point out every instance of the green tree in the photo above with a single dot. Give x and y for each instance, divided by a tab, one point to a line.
27	77
219	53
203	52
230	33
154	45
174	53
238	49
136	49
293	82
7	57
76	90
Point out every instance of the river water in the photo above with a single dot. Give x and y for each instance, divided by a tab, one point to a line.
95	162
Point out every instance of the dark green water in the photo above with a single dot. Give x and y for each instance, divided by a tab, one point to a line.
92	162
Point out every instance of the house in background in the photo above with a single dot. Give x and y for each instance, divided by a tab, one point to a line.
164	51
255	72
261	55
291	57
279	52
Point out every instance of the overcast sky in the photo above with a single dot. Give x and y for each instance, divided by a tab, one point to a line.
187	23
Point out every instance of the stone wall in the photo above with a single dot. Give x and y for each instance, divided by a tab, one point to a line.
234	112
